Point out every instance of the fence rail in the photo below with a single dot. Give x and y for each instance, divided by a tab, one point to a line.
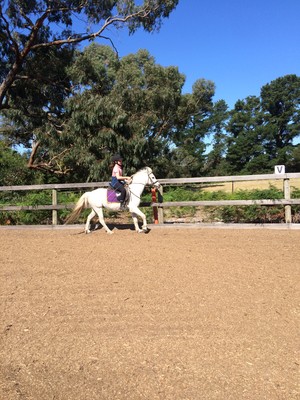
159	205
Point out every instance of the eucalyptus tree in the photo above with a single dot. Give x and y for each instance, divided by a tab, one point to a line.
131	105
38	98
13	167
215	163
262	131
27	27
150	96
245	137
280	100
195	114
37	42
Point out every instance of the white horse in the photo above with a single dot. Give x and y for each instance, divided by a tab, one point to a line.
97	199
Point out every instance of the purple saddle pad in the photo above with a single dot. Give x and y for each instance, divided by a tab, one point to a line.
112	196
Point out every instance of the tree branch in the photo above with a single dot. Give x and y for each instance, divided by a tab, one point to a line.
31	44
108	22
33	154
14	45
47	166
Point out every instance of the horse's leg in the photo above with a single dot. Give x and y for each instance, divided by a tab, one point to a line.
88	221
136	223
137	212
99	212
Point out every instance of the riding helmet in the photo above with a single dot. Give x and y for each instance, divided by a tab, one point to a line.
117	157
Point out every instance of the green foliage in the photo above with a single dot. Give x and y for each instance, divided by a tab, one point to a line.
128	106
26	217
262	131
91	104
187	157
13	167
36	198
253	213
74	109
295	193
43	25
38	73
227	214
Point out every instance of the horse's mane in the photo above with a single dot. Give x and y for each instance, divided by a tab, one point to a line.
147	169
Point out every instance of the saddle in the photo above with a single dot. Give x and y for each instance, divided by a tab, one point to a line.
113	195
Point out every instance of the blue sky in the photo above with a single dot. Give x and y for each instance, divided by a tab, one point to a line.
240	45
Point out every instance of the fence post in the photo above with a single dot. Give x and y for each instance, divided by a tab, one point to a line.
287	196
54	203
160	209
155	212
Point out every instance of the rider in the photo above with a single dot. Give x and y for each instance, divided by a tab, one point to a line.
117	178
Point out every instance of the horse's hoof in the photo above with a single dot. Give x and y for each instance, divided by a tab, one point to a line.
109	232
144	230
88	231
97	226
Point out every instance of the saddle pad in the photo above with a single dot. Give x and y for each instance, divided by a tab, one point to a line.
112	196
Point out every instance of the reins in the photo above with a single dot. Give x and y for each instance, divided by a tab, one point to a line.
138	183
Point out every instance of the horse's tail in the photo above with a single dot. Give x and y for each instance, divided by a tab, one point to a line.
80	205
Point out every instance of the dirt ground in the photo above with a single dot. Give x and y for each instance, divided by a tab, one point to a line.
178	314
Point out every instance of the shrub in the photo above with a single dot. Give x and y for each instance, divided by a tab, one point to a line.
236	214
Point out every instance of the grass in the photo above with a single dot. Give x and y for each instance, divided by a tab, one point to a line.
230	187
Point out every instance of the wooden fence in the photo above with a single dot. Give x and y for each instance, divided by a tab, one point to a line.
159	204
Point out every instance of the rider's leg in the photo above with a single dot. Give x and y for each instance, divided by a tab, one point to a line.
120	188
123	193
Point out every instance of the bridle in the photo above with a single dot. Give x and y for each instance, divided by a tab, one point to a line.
153	182
150	178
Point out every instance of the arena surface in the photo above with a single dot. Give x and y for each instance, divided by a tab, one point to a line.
178	314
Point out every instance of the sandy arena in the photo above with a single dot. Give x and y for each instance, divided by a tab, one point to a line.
178	314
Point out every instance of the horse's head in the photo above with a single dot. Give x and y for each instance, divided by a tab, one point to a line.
151	179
